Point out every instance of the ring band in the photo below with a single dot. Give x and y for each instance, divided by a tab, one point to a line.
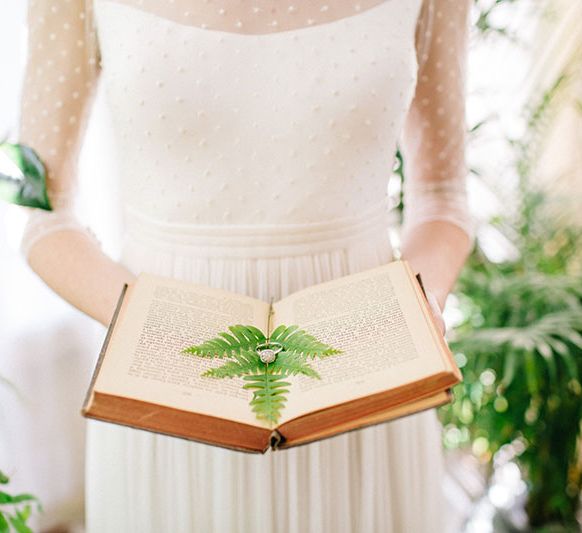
273	345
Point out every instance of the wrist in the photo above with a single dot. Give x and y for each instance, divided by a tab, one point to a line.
437	252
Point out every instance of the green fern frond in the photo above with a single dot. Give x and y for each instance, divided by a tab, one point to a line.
281	332
268	395
209	349
244	337
248	336
290	364
246	362
300	342
266	380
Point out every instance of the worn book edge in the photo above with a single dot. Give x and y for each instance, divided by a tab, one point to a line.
437	335
276	439
438	400
89	394
417	276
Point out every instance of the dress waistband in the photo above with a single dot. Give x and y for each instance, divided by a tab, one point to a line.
264	240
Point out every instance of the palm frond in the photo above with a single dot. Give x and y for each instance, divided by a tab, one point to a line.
548	343
563	324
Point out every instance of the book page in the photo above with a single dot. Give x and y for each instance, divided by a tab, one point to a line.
375	319
164	316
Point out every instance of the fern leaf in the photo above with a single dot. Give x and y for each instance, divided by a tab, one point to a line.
290	364
233	341
258	335
269	395
266	380
246	362
281	332
209	349
301	343
227	345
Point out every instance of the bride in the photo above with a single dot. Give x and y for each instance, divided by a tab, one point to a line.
255	140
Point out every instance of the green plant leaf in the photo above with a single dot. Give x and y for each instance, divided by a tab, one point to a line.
302	343
4	479
531	373
266	380
24	513
268	395
571	365
290	364
225	345
6	498
4	527
22	176
575	338
246	362
19	525
509	366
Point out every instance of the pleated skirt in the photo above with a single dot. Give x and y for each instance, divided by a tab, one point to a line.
385	478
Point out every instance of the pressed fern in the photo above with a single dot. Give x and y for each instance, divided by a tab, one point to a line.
266	380
269	394
226	345
300	342
245	362
290	364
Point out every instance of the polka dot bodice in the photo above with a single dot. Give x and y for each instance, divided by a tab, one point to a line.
303	129
253	112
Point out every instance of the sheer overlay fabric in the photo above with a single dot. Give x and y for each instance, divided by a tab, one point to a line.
64	65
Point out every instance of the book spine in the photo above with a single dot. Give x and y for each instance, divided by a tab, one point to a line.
275	440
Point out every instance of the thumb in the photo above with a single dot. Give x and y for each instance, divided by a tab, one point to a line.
436	311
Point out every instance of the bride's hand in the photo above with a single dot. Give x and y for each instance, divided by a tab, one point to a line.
436	311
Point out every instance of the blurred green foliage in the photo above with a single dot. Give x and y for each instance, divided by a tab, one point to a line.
519	345
520	349
15	510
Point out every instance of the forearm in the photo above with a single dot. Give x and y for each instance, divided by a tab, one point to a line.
438	250
74	266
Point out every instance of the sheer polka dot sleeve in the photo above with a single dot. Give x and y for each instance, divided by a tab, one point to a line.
61	72
434	135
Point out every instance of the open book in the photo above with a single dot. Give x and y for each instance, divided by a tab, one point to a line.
393	361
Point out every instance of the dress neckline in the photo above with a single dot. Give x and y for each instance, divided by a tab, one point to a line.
240	35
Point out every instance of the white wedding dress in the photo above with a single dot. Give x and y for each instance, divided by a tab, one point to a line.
255	145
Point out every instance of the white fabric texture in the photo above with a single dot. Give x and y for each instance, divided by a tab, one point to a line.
255	142
57	92
64	64
434	136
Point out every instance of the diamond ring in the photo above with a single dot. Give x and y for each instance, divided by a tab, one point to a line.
268	351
